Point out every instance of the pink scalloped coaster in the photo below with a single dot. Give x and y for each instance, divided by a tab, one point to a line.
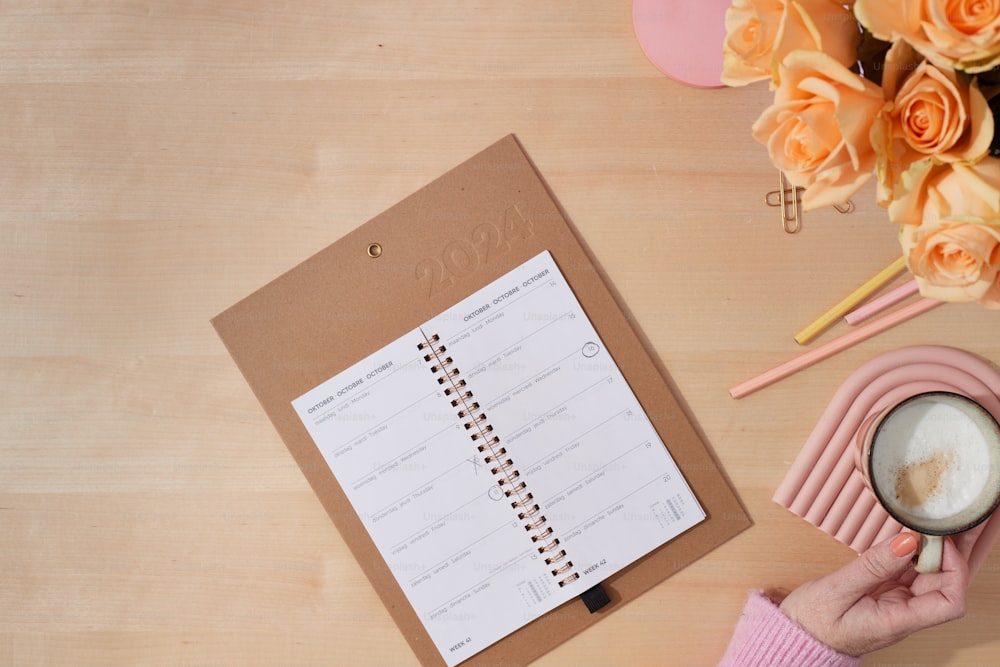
823	486
683	38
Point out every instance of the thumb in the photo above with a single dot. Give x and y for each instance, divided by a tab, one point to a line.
880	563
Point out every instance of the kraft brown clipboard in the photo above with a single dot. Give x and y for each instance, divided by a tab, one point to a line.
406	265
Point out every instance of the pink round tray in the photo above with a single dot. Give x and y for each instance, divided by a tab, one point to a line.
683	38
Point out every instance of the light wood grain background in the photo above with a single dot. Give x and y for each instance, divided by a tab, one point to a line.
160	160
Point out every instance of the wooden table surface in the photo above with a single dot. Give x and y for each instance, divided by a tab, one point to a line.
160	160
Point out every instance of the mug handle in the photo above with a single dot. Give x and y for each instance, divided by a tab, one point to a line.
931	548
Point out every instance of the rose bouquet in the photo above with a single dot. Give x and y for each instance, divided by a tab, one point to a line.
902	90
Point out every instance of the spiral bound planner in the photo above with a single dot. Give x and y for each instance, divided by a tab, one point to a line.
499	459
480	419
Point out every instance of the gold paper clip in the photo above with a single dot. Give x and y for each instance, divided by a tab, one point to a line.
789	199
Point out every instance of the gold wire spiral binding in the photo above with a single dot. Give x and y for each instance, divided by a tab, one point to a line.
536	524
555	559
530	512
447	361
482	432
545	548
509	478
503	466
490	458
453	373
570	579
478	419
490	444
563	568
542	535
504	470
423	345
463	413
462	398
517	488
522	502
436	353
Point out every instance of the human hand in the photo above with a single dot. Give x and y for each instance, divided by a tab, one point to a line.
878	599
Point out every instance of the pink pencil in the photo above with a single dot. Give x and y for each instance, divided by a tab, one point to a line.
876	306
863	332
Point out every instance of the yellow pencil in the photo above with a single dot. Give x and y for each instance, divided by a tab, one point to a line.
850	301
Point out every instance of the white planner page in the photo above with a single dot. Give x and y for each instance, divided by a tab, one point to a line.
579	447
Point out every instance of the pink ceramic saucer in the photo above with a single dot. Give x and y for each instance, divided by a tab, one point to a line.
683	38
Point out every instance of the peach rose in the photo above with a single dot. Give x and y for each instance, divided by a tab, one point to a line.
929	191
991	297
760	33
816	131
950	215
963	34
930	111
751	28
955	261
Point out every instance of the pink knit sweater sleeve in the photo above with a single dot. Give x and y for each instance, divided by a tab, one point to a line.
765	637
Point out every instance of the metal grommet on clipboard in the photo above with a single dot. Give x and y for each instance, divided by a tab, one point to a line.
374	250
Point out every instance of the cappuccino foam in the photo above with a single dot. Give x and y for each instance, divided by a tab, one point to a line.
935	459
